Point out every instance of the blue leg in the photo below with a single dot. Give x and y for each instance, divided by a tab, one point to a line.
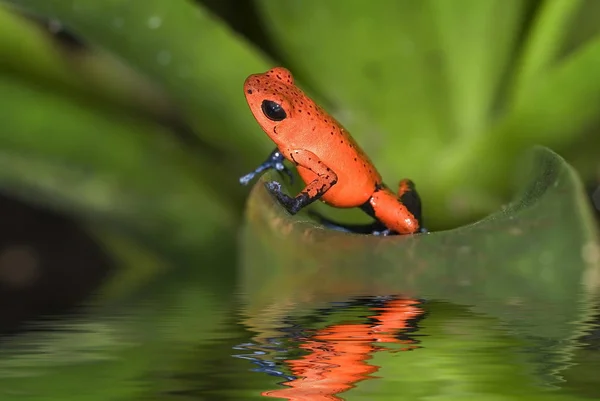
274	161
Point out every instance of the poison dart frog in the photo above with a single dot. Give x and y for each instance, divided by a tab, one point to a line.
331	164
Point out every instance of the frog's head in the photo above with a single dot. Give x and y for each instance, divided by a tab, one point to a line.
271	96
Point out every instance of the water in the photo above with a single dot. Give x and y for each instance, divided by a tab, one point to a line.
394	348
268	321
183	339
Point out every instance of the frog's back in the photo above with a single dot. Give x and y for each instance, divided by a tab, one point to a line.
327	138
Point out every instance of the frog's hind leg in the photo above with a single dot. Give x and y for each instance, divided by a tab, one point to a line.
394	214
389	208
408	195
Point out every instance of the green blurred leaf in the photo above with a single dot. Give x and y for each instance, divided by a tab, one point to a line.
556	108
557	104
545	41
473	69
536	253
199	60
106	166
30	53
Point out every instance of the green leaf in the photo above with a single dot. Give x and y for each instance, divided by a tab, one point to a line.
105	166
540	251
541	115
473	70
29	53
555	109
545	40
199	60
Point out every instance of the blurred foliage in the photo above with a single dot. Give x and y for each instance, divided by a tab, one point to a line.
449	96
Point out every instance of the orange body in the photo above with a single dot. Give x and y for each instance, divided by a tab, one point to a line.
328	160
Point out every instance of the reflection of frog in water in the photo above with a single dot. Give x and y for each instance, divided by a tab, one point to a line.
336	355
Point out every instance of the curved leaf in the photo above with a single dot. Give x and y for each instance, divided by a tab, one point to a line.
538	252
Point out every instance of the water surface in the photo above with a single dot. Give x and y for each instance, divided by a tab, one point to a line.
181	339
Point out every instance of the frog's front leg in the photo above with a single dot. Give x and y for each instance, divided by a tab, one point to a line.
274	161
326	178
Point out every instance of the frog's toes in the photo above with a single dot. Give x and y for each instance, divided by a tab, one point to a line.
273	186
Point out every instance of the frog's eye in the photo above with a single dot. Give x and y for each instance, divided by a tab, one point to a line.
273	110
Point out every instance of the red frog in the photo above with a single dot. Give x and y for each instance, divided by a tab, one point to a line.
332	165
